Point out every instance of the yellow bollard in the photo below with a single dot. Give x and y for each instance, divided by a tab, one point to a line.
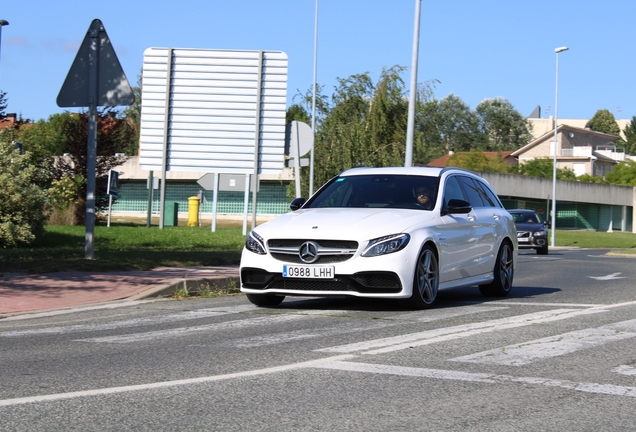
193	211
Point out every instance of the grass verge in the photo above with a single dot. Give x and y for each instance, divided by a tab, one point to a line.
125	247
596	239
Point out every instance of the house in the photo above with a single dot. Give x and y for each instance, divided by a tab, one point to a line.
541	126
581	150
8	121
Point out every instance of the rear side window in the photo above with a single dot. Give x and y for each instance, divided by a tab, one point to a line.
488	196
472	191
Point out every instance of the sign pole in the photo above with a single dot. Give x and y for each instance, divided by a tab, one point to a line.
246	199
166	133
296	153
93	68
257	133
150	199
110	209
214	200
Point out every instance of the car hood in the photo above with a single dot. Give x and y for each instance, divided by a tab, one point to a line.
530	227
338	223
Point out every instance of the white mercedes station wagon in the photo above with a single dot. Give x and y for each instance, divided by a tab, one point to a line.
395	233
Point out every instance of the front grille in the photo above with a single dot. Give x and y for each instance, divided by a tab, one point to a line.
328	251
323	259
310	285
363	282
523	234
336	244
377	279
255	277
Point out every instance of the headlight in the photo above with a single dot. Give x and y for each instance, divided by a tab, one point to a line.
386	245
254	243
539	233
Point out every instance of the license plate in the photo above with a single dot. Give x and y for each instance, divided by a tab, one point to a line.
523	240
314	272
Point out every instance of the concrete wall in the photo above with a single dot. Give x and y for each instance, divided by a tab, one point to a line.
570	191
541	188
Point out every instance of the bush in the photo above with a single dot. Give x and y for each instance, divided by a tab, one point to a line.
22	202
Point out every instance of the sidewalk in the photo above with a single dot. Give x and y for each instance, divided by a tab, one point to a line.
41	292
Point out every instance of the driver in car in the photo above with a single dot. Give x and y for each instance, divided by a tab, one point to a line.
422	194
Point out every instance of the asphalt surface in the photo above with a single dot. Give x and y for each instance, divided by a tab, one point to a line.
64	290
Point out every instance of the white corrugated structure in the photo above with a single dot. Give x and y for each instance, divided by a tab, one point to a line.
216	100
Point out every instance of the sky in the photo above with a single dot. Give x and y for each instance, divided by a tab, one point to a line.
476	49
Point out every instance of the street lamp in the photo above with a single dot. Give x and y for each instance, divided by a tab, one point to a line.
554	165
2	24
410	121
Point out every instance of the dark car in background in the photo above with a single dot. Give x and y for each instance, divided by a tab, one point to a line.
532	232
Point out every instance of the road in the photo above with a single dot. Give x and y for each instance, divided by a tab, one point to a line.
558	353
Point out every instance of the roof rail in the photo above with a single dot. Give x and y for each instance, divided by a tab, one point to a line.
448	168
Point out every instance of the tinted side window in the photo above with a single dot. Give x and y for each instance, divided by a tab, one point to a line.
472	191
488	196
452	190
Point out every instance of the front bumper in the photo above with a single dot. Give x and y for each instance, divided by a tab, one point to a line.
256	280
526	240
389	276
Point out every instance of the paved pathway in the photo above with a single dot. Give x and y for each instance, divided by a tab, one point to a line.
29	293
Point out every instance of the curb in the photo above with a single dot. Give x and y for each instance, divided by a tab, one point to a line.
219	284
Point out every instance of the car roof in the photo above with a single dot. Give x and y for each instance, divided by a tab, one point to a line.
422	171
521	211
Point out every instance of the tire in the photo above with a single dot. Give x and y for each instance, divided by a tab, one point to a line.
425	280
265	300
503	274
542	251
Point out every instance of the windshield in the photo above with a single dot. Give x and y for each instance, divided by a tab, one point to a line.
378	191
525	218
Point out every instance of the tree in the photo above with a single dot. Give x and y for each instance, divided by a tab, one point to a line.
543	167
623	174
365	124
302	106
342	133
630	135
22	200
477	160
132	114
604	121
297	112
113	135
43	139
503	126
3	104
449	124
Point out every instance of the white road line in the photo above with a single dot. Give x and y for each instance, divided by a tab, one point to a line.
214	327
606	389
112	305
563	305
454	312
235	324
553	346
383	322
625	370
286	337
151	321
165	384
385	345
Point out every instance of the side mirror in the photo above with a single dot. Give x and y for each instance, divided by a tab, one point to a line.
458	206
297	203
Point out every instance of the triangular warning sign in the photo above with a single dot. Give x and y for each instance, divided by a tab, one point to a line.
112	87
